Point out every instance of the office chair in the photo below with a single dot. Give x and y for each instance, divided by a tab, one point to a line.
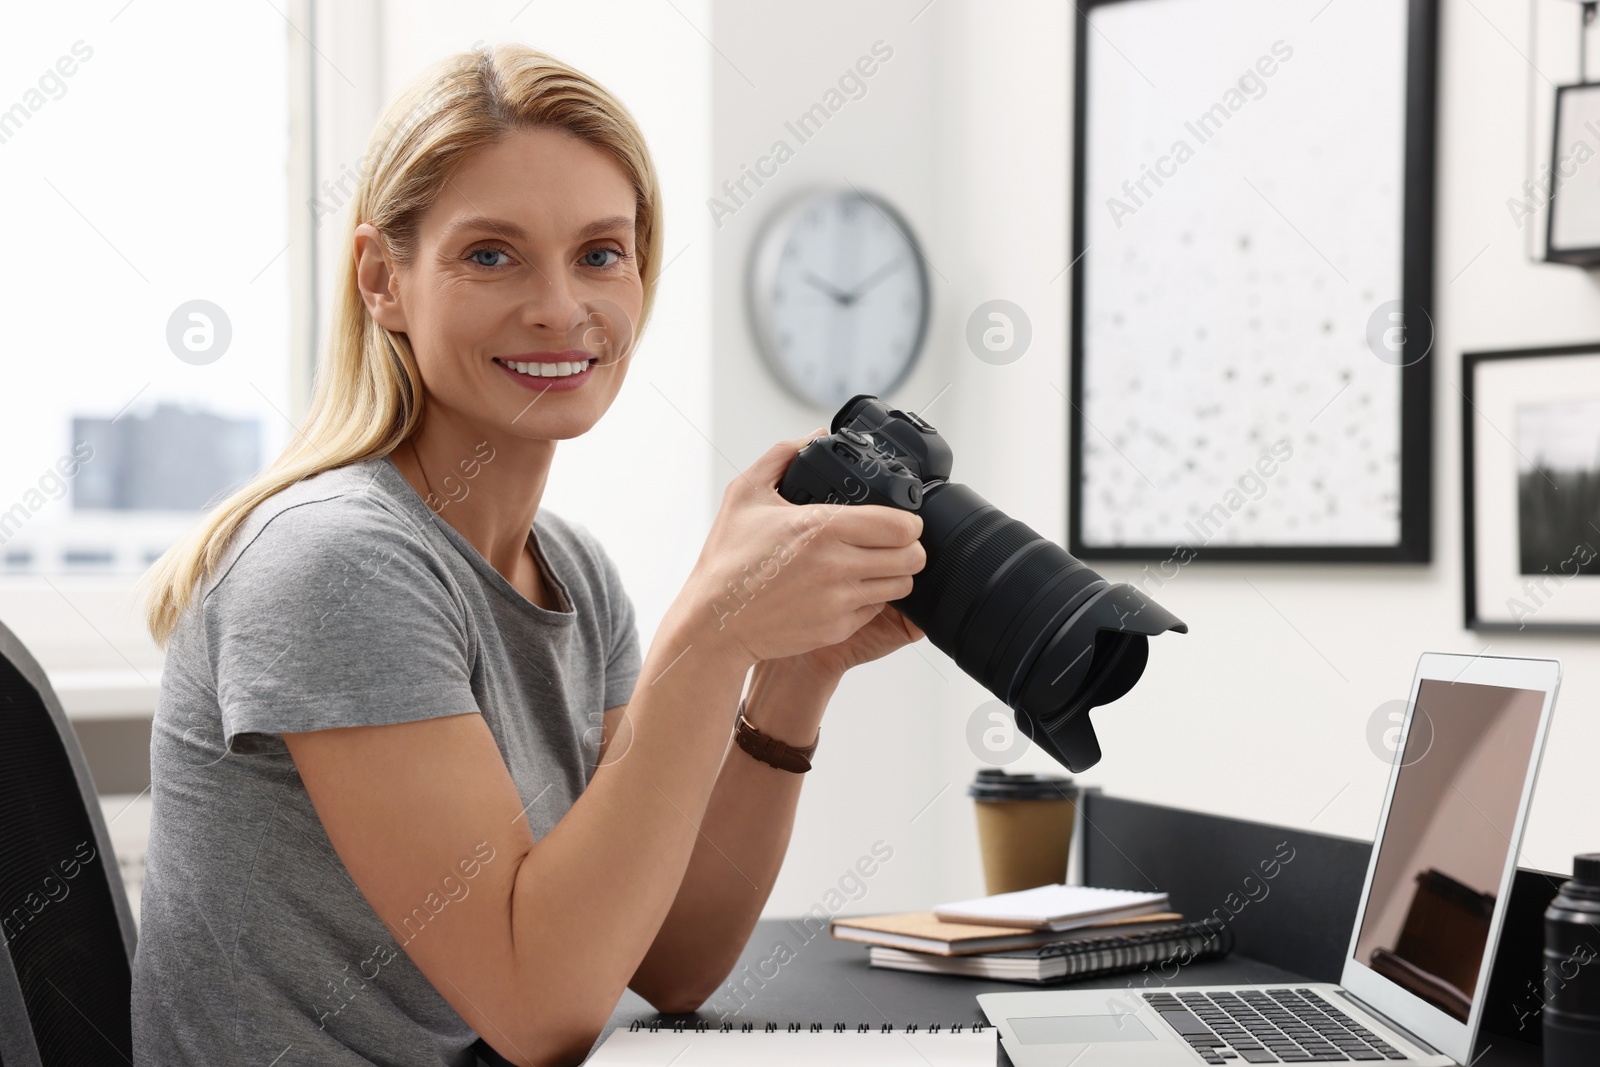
66	934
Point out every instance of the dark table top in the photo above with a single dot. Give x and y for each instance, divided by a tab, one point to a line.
791	974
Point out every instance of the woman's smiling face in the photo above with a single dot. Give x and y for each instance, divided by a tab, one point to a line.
526	257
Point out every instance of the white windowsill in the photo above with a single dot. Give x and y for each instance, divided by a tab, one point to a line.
107	694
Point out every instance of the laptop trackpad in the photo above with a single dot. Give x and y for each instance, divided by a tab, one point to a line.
1079	1029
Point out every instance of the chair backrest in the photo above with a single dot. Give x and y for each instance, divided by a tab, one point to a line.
66	934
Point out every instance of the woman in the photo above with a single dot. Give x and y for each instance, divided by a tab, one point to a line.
406	792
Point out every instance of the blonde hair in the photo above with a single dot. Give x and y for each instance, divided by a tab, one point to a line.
368	395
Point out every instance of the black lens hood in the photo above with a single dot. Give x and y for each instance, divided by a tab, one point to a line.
1094	658
1018	613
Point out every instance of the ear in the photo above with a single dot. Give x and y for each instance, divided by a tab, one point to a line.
377	279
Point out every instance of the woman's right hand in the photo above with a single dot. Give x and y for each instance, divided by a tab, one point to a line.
777	579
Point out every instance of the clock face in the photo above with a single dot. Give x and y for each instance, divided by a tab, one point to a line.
839	297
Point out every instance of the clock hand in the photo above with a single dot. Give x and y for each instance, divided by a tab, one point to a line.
874	278
839	296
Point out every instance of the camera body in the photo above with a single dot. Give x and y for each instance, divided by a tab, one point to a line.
1035	626
857	465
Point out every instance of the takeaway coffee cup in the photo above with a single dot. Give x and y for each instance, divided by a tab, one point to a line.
1024	828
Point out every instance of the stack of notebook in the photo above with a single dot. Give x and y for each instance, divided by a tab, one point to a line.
1037	935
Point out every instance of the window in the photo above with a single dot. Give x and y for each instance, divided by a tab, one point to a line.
145	154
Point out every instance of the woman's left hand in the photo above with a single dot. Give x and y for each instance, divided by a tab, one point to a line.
887	631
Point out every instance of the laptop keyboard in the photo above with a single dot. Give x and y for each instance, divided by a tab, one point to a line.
1269	1026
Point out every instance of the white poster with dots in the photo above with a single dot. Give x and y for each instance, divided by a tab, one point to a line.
1243	193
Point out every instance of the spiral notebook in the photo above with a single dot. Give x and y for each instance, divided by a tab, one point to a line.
955	1045
1083	958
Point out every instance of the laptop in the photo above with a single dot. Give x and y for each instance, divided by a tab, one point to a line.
1417	970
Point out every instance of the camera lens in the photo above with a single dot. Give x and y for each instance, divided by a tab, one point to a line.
1034	625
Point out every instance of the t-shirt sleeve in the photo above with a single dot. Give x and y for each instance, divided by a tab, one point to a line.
623	659
331	616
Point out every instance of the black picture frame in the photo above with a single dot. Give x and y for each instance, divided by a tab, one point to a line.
1472	617
1415	542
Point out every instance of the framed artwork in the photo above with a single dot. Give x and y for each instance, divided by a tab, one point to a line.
1530	447
1251	277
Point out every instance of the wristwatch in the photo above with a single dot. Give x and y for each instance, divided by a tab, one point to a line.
770	750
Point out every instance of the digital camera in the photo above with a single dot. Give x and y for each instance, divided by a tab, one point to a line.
1028	621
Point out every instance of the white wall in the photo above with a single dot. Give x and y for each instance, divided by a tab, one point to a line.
887	766
1254	721
1252	714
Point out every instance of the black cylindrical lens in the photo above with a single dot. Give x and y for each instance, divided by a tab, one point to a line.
1571	970
993	591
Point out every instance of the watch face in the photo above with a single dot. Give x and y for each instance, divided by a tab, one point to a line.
839	297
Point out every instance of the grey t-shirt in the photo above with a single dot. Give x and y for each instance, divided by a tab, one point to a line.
345	601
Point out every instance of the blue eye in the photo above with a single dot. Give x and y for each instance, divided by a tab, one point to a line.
476	252
588	257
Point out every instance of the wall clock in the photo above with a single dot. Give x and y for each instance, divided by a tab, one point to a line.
838	296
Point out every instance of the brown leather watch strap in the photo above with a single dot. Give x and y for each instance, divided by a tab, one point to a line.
770	750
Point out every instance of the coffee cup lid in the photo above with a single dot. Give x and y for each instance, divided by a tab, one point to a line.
995	784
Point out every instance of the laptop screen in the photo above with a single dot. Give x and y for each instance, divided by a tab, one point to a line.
1447	840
